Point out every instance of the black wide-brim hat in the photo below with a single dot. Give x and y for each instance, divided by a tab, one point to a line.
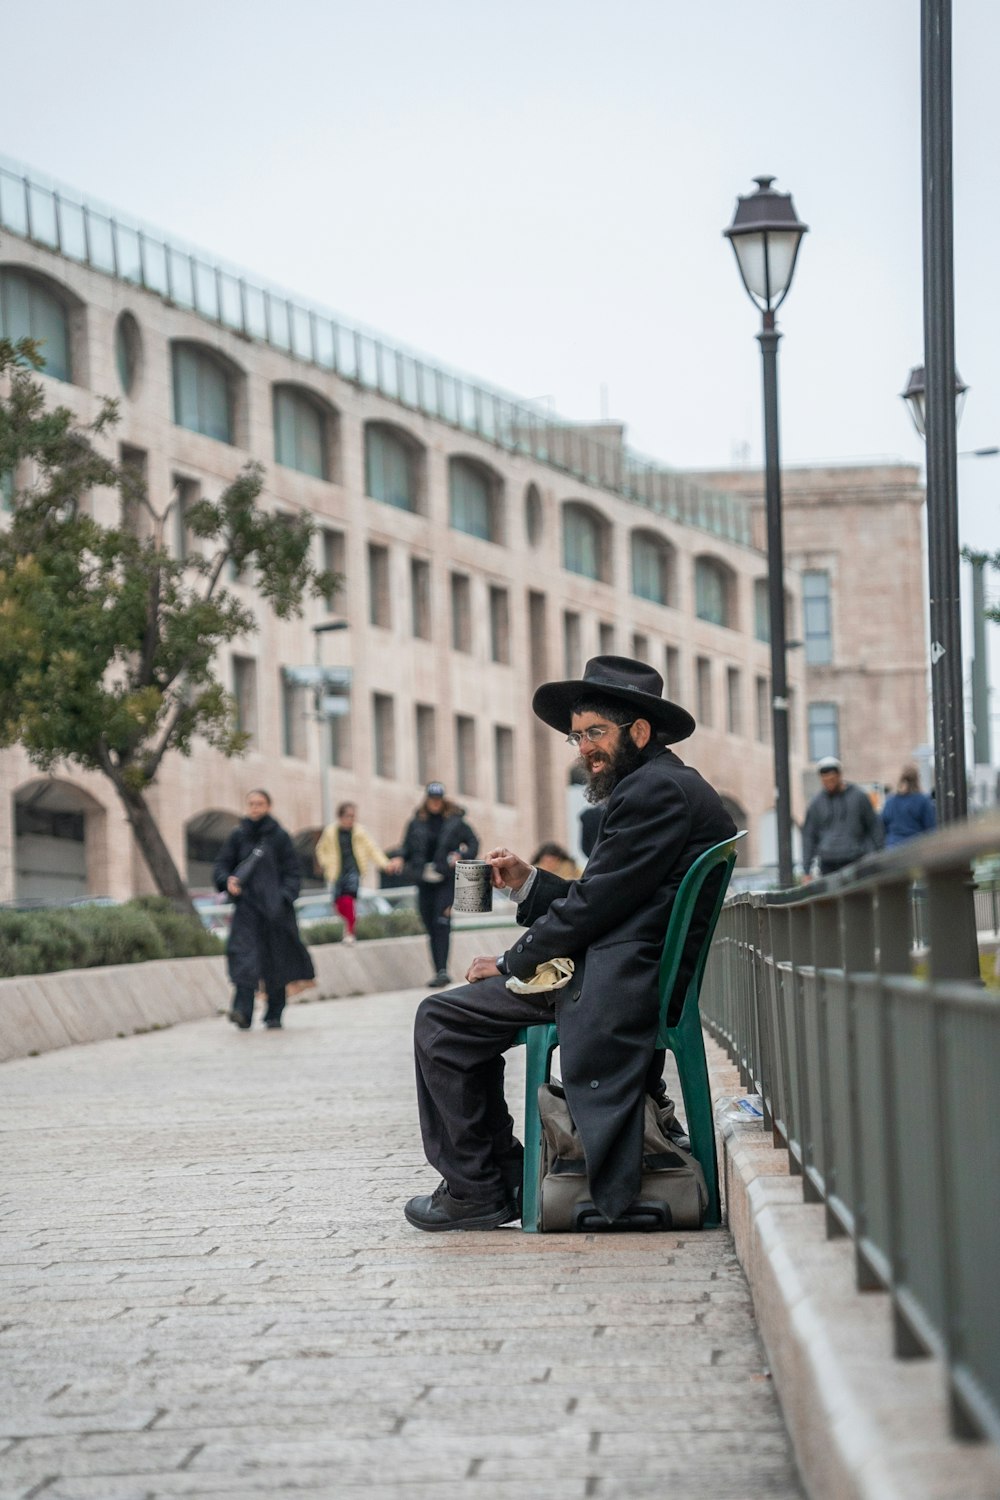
630	683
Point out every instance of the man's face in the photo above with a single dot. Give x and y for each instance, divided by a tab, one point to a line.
608	758
831	781
257	806
434	805
347	817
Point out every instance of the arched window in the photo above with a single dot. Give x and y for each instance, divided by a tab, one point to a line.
586	542
128	350
392	466
29	310
713	591
301	432
533	514
473	492
203	392
651	567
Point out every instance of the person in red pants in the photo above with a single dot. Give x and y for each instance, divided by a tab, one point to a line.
345	853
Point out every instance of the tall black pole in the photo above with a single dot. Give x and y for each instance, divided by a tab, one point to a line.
942	448
769	338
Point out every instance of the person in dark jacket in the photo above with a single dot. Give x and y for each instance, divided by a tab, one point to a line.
259	868
841	824
436	838
660	816
909	811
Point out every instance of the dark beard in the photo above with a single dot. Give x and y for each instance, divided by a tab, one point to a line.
626	758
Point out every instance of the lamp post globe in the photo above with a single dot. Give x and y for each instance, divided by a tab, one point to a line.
765	235
915	396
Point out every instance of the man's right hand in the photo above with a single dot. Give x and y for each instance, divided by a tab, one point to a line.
508	869
233	886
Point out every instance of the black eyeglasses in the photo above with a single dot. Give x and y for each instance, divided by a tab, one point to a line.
594	734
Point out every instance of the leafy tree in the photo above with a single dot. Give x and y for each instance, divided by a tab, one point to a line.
985	560
108	643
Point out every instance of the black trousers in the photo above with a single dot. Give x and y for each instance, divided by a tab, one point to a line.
434	902
244	997
459	1038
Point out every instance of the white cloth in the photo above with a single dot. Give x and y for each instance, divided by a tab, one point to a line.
552	975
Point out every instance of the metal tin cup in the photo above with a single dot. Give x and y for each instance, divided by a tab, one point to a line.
473	886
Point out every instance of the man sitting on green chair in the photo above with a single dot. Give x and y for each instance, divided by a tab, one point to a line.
660	816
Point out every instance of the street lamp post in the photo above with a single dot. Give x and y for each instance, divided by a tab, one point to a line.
765	235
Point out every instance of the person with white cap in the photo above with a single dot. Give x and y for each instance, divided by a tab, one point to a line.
436	838
841	824
660	815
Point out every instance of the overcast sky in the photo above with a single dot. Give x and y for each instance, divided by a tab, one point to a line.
534	193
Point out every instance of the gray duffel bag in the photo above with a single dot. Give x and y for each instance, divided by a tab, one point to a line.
672	1194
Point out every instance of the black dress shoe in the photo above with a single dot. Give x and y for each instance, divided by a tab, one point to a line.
273	1025
238	1020
439	981
441	1211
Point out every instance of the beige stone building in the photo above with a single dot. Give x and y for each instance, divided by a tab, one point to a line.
855	535
484	547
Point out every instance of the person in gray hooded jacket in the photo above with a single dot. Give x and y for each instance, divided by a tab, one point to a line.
841	824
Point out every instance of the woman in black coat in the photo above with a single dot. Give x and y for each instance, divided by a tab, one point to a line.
259	868
436	837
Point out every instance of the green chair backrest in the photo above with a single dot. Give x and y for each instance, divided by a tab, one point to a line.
681	915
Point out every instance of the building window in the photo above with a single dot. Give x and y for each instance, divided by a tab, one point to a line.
339	732
465	754
712	591
334	561
300	435
761	610
245	694
135	471
572	654
606	639
499	624
584	549
293	719
461	612
816	619
426	743
703	690
379	610
672	673
503	763
734	701
186	495
28	310
384	728
391	467
533	514
650	568
128	350
203	394
763	704
824	730
420	599
640	646
471	491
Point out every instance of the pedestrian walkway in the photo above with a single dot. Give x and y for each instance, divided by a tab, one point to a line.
207	1288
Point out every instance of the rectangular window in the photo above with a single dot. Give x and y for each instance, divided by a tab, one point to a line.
499	625
461	612
339	732
465	754
734	700
135	467
379	612
245	693
503	763
426	743
762	610
186	494
420	599
672	673
293	718
334	551
572	655
640	646
763	703
824	730
384	731
606	639
703	689
816	618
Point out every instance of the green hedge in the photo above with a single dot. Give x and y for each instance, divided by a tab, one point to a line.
87	937
377	925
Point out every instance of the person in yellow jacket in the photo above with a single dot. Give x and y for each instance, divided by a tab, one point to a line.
345	853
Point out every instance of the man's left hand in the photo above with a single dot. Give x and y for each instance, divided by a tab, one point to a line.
481	968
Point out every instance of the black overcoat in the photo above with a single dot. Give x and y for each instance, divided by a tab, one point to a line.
264	943
612	923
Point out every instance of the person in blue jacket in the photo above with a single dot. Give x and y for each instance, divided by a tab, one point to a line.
909	811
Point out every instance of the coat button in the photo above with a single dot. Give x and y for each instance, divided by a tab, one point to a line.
520	947
575	995
595	1083
528	938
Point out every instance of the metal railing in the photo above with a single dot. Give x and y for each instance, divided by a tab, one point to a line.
878	1076
95	236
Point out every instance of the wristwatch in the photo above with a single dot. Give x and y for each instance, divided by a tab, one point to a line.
501	963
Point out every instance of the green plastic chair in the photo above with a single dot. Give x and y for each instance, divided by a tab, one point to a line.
684	1040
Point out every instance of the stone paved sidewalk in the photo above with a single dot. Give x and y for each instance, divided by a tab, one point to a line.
207	1288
